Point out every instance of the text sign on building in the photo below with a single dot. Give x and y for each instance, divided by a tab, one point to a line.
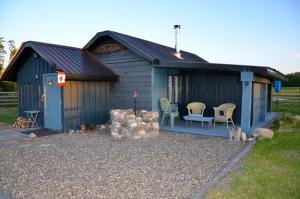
61	77
108	48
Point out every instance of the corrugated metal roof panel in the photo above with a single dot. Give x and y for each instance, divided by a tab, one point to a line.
148	48
74	62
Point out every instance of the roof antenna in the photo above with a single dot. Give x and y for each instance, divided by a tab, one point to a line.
177	50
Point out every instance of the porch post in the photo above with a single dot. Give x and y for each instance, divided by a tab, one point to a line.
247	79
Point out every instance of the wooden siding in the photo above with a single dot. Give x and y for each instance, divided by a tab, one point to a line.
85	102
269	98
30	88
135	74
213	89
159	87
260	103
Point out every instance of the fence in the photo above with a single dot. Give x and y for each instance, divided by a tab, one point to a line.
8	99
288	96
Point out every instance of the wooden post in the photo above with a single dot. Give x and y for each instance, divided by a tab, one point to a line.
246	78
135	95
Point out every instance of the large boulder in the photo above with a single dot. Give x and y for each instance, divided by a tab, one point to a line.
263	133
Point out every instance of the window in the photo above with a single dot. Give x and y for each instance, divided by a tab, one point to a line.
174	85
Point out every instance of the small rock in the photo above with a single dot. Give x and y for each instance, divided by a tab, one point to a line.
32	135
243	136
102	126
71	131
250	139
264	133
82	128
141	132
155	125
235	133
77	131
139	119
147	116
155	115
297	117
125	132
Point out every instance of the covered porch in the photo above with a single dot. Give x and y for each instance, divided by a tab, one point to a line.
247	87
219	130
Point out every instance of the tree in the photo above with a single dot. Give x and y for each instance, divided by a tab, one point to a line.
2	54
12	49
293	80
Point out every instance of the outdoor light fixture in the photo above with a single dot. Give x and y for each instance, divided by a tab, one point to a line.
36	76
51	82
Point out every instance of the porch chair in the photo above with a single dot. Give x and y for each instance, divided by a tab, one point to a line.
223	113
168	110
196	109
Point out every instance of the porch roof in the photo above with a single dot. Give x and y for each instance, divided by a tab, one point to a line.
264	71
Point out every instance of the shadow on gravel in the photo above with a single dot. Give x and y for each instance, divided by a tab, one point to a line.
41	132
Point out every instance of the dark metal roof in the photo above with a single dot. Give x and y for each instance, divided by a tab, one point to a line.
151	51
73	61
259	70
163	56
80	64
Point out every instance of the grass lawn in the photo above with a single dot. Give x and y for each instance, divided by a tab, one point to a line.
272	169
8	114
287	108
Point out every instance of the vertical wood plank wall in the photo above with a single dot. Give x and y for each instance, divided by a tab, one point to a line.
30	88
159	86
260	102
135	74
85	102
213	89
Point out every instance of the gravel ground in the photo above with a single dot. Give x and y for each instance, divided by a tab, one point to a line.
96	166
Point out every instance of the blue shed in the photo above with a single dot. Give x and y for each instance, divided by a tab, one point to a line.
111	66
85	98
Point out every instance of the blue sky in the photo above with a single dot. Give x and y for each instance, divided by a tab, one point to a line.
257	32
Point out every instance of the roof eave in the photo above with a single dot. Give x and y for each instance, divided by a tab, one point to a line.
264	71
6	76
91	77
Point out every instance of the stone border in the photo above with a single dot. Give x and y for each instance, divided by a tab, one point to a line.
221	174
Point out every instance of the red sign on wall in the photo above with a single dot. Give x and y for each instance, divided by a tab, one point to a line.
61	77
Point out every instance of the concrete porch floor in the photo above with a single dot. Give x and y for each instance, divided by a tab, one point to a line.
219	130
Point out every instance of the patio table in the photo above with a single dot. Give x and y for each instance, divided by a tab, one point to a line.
199	119
32	117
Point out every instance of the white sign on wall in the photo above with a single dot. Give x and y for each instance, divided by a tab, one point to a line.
61	77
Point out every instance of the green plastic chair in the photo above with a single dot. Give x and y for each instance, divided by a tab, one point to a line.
168	110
